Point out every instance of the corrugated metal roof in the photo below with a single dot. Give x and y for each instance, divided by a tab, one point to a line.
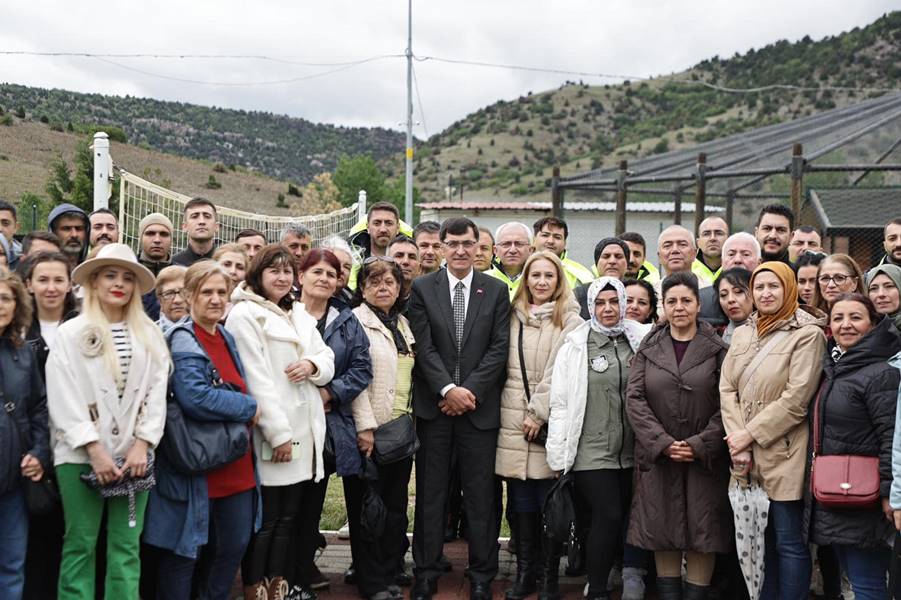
633	207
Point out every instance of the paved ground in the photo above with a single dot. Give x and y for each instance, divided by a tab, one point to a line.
336	558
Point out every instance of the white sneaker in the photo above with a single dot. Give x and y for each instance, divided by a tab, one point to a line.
344	532
633	583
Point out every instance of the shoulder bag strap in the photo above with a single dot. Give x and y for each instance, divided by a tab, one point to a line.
816	420
749	371
522	366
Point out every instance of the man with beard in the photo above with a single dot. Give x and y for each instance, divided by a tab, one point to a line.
104	227
891	241
773	231
406	255
425	236
711	235
199	222
639	268
382	225
155	235
70	224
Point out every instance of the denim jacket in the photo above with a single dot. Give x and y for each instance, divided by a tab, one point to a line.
177	517
21	384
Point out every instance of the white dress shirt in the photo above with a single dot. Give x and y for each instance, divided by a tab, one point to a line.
467	288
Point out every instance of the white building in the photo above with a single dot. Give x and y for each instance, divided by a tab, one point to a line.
588	222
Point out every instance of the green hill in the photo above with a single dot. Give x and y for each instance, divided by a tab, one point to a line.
277	145
508	149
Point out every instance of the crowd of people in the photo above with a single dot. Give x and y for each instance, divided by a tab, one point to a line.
172	420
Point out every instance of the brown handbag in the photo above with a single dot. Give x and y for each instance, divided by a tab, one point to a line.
842	480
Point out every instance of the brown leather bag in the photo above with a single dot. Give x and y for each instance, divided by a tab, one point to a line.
842	480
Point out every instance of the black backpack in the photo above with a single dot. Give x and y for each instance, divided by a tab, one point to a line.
559	513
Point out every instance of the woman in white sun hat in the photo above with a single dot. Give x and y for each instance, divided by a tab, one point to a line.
106	394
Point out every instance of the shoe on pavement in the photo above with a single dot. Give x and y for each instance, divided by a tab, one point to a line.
633	583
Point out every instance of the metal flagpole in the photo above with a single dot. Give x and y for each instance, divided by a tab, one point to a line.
408	196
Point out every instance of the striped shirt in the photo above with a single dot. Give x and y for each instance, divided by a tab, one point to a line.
122	344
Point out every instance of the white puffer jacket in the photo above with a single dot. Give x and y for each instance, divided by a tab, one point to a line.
569	393
269	340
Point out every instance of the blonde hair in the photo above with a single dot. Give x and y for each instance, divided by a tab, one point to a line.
197	274
562	295
236	248
145	331
168	275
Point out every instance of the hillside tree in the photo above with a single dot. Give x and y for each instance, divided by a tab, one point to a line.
359	172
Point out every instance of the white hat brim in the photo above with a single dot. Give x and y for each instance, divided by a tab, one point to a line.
83	272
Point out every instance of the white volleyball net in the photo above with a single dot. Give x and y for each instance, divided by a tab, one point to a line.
139	197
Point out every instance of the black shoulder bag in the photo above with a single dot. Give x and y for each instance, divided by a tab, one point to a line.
541	437
194	447
396	439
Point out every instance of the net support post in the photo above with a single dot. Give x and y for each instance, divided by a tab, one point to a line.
797	177
700	190
361	205
556	194
677	204
621	176
102	171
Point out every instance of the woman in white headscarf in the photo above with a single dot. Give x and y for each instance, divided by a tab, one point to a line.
588	432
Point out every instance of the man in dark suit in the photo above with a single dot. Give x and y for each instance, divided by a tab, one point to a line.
460	318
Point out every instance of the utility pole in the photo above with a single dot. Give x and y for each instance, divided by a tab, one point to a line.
408	197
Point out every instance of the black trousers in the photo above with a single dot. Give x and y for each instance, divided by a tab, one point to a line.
289	514
475	448
607	493
377	561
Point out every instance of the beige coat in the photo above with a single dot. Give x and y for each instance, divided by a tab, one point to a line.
773	405
517	458
374	405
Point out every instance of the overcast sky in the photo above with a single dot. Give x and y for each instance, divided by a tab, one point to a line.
630	37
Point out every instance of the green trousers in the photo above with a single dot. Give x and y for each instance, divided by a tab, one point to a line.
83	510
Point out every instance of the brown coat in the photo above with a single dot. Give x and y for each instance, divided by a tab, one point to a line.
679	506
517	458
773	407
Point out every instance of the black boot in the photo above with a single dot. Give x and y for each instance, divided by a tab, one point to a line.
549	588
695	592
669	588
526	557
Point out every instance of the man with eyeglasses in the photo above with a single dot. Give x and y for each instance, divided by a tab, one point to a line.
512	246
155	236
460	318
773	232
709	260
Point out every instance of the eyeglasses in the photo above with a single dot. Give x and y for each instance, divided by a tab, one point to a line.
517	245
374	258
839	280
168	295
466	244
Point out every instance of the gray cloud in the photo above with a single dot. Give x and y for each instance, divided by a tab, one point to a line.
615	36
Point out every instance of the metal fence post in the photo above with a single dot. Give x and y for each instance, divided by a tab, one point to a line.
700	190
556	194
361	206
797	175
621	197
677	204
102	171
730	207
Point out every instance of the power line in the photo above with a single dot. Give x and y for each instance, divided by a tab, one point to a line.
419	101
262	57
719	88
344	67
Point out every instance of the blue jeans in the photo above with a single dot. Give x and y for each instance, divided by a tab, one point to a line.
866	571
231	524
13	542
787	559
